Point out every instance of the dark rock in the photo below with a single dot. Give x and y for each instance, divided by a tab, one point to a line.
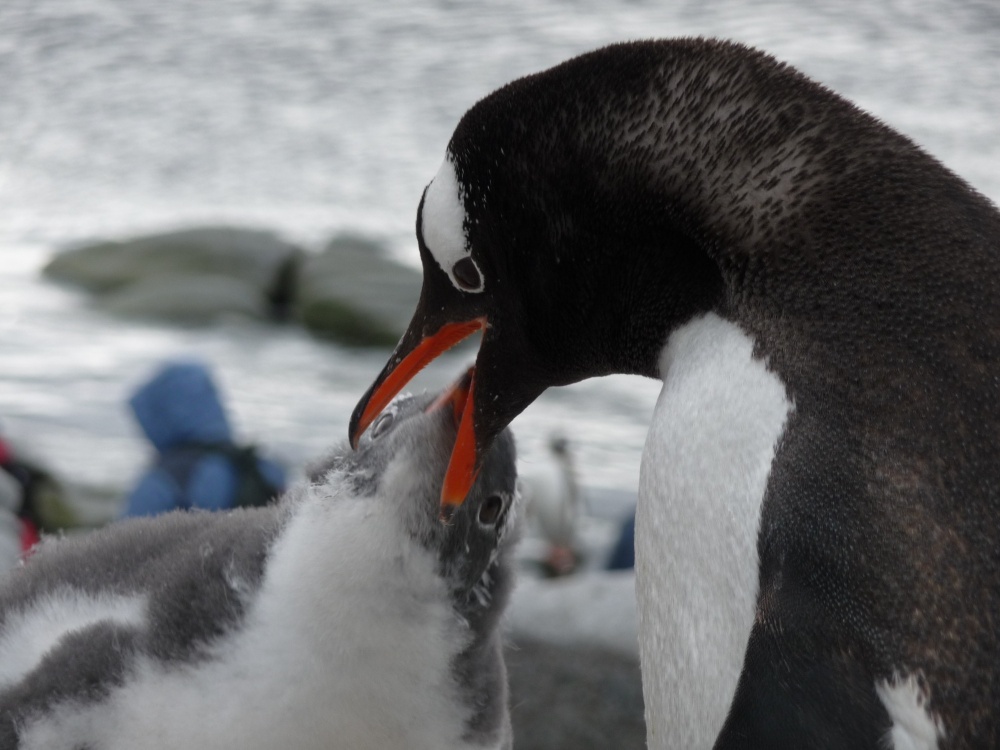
573	661
574	697
354	293
342	322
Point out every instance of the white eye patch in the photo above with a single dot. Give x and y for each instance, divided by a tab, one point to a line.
443	227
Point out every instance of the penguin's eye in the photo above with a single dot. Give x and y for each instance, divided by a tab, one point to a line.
467	274
382	425
491	510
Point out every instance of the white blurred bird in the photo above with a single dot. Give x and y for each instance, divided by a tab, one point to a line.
553	504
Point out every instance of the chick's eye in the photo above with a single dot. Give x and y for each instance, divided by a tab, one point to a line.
382	425
491	510
467	274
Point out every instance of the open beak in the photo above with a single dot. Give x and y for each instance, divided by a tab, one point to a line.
410	357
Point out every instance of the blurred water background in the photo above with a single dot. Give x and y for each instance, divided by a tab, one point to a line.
311	117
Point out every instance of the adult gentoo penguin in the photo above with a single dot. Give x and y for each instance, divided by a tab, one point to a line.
818	528
347	617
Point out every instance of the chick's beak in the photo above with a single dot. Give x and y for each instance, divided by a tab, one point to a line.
462	467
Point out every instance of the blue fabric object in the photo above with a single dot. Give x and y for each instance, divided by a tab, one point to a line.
178	407
180	404
623	555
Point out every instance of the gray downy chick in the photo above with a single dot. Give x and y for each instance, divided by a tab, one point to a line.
347	616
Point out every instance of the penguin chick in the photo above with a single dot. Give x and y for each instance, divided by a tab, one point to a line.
349	615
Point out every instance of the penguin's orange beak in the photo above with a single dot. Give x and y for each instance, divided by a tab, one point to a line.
412	355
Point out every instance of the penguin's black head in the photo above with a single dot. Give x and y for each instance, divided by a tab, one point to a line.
571	265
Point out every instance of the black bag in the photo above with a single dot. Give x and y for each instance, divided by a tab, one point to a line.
252	487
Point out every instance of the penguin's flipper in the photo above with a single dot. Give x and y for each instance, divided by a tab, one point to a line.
84	667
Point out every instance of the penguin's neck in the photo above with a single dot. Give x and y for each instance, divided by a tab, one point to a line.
704	473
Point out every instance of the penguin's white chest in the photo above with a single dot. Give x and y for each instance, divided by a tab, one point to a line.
704	472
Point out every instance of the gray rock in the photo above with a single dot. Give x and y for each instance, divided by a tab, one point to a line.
257	258
188	299
354	293
351	292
